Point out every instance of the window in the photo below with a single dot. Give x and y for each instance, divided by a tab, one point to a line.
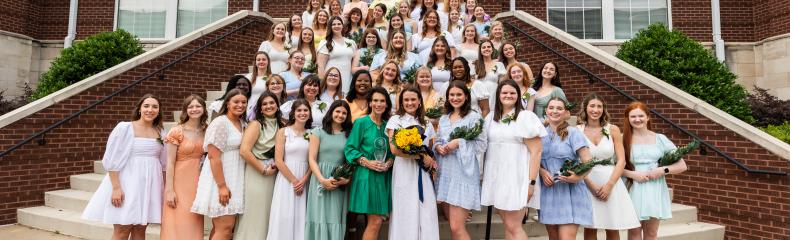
580	18
167	19
606	19
630	16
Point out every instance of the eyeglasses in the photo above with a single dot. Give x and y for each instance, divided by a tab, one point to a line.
276	83
299	58
333	75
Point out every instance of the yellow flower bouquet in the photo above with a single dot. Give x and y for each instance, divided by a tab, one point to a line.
409	140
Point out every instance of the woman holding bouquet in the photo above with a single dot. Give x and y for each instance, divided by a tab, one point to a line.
257	150
413	212
512	159
326	200
458	183
564	201
368	48
649	191
289	202
336	51
368	148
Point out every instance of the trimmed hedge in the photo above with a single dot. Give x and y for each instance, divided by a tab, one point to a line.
686	64
86	58
781	132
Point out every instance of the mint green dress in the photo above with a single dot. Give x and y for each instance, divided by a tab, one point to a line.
370	191
326	210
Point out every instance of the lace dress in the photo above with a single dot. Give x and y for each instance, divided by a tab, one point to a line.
223	135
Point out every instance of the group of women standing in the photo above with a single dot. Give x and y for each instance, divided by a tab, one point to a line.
263	166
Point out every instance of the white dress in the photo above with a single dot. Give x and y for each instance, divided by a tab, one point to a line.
278	60
316	110
478	92
223	135
506	177
307	19
411	217
470	54
140	162
340	57
257	89
617	212
440	77
491	80
424	45
289	209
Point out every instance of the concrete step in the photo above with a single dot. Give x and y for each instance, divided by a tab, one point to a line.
67	199
98	167
88	182
213	95
681	231
70	223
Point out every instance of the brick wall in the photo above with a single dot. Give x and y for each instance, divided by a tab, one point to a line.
30	171
771	18
750	206
19	16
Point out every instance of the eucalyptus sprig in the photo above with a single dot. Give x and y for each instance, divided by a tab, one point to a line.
310	68
467	132
367	58
581	168
677	154
410	76
435	111
508	118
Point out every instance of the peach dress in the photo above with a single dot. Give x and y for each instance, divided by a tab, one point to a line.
179	223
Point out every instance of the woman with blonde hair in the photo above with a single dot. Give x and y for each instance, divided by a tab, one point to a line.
397	52
308	16
320	27
469	47
278	47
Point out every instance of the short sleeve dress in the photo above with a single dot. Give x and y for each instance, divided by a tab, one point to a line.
506	175
651	198
278	60
563	203
179	222
370	191
139	163
340	57
458	183
542	102
227	138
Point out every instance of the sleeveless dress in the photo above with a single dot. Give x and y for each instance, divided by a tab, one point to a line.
506	176
563	203
651	198
222	134
139	163
179	222
340	57
278	60
258	189
617	212
458	183
288	208
424	44
542	102
257	89
414	214
326	210
440	77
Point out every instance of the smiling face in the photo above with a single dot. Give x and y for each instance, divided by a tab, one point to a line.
398	41
424	79
403	8
548	72
302	114
454	16
480	13
237	105
195	110
509	51
333	78
508	96
322	17
555	111
311	91
378	103
638	118
497	31
335	8
411	102
268	106
315	4
470	33
456	97
296	21
432	19
296	60
261	61
307	36
149	110
243	85
279	31
389	72
378	12
396	22
355	17
275	85
458	69
337	27
339	115
486	49
439	48
516	74
455	4
363	84
594	110
371	39
428	3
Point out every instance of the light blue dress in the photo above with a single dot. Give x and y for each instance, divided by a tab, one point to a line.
292	81
651	198
412	60
563	203
458	183
481	28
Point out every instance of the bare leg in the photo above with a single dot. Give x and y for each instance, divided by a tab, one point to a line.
223	227
373	227
635	233
121	232
457	219
590	234
138	232
612	235
568	231
650	229
553	231
512	222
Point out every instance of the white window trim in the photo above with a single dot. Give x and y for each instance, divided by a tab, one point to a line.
171	19
607	21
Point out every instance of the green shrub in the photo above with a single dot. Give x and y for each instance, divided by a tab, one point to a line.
686	64
781	132
86	58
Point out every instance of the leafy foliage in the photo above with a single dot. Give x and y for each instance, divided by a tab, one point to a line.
7	105
782	132
686	64
88	57
675	156
768	109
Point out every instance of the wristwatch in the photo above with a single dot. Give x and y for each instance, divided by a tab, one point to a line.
532	182
666	170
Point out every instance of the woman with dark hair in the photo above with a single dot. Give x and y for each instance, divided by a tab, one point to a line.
289	201
294	29
370	46
278	47
564	201
309	90
430	31
220	192
184	145
458	184
360	5
236	82
293	75
428	6
336	51
398	24
330	87
327	203
413	212
276	85
439	63
355	24
479	92
376	19
481	22
512	159
130	195
357	98
612	207
257	150
260	74
548	86
368	148
487	69
307	47
648	190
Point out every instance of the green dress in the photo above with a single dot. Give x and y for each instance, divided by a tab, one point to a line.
370	190
326	210
542	102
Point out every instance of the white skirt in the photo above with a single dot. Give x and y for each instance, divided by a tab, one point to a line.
141	182
617	213
289	209
207	196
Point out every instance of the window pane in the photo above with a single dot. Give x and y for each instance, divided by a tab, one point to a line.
194	14
622	24
622	4
658	3
557	18
143	18
639	19
658	15
575	22
592	24
556	3
639	3
574	3
592	3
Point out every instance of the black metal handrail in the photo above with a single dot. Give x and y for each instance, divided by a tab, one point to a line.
705	144
159	71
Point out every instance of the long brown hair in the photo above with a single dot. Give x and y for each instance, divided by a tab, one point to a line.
628	131
583	112
499	110
136	115
255	72
324	84
185	117
420	113
562	129
480	63
310	45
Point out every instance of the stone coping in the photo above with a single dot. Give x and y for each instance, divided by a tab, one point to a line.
76	88
742	128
